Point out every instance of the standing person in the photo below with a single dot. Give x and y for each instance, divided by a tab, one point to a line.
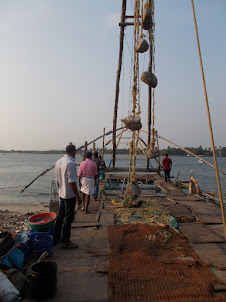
67	181
102	168
87	180
167	165
97	161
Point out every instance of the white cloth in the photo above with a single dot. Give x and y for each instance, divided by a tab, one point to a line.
66	173
87	185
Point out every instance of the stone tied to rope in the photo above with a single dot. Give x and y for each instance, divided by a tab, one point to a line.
149	78
142	46
132	122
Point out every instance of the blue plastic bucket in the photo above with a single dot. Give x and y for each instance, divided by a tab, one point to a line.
43	243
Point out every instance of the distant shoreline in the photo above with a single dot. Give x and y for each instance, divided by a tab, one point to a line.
187	151
121	152
35	152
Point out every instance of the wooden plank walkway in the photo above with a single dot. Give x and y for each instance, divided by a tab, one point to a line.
83	273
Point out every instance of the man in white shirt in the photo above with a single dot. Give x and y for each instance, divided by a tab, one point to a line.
67	181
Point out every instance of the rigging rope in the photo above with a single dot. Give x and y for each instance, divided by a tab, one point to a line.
209	120
19	185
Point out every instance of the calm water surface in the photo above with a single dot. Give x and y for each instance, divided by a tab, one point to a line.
18	170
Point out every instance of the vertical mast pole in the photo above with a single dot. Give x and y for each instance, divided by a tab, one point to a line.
123	14
103	143
149	88
84	151
93	148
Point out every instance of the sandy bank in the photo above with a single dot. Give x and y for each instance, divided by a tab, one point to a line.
23	209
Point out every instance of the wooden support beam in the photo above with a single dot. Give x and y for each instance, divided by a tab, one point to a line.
122	28
127	24
85	224
125	169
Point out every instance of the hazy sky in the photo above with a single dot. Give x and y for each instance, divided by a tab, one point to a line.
58	63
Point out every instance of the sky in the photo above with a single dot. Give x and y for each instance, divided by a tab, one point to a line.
58	64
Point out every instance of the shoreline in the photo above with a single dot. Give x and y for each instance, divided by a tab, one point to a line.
23	208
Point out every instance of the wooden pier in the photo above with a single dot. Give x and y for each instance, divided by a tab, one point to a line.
83	274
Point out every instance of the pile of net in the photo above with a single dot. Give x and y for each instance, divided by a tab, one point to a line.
150	212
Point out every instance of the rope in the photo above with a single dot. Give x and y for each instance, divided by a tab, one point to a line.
185	150
189	152
139	141
209	120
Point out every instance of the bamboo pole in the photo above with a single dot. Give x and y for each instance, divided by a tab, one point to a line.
209	119
189	152
157	142
149	89
122	28
93	149
103	143
84	151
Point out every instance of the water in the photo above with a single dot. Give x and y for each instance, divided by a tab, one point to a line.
19	169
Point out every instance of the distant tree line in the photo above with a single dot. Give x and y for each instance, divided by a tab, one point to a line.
221	151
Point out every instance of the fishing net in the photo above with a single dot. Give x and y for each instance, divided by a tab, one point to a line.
152	263
150	213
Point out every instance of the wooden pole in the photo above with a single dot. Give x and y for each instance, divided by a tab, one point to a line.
210	124
103	143
93	148
84	151
189	152
122	28
149	89
157	142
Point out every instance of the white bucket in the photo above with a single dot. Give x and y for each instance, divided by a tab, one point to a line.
8	292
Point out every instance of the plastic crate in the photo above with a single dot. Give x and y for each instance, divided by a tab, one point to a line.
43	243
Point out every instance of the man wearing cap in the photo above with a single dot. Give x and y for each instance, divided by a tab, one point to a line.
87	180
67	181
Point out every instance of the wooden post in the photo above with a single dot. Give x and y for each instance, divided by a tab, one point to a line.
157	142
149	89
103	143
93	148
84	151
122	28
